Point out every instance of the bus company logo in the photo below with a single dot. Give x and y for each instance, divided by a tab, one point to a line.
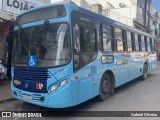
17	82
39	86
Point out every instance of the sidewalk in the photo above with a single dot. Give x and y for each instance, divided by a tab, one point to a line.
5	91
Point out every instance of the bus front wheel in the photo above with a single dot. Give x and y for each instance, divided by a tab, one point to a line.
105	87
145	72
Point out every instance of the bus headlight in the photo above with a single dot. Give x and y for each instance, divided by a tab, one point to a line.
63	82
53	87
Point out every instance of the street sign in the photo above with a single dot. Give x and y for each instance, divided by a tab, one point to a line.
17	6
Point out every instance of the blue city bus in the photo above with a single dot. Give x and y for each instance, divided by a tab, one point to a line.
64	55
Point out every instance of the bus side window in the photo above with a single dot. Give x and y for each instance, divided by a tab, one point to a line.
129	41
152	44
143	43
85	48
148	44
119	40
89	40
136	42
78	38
107	38
140	42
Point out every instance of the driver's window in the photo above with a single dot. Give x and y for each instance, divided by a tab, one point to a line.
78	38
85	50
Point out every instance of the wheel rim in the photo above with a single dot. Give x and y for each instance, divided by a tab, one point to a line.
105	86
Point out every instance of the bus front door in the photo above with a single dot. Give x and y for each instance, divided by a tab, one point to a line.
85	84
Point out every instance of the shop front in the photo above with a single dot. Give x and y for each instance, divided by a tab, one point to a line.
9	9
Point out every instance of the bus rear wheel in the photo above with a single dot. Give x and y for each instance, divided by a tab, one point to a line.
105	87
145	72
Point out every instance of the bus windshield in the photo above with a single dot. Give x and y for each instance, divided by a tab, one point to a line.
50	44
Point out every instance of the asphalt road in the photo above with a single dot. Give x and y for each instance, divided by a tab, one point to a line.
137	95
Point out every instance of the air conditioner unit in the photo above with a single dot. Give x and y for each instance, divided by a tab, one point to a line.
121	5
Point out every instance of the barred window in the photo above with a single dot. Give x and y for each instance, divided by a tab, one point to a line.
148	44
143	48
118	38
107	38
136	42
129	41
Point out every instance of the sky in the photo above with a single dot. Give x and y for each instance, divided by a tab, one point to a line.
156	4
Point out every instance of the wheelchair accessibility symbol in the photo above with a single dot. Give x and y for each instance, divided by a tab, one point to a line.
32	60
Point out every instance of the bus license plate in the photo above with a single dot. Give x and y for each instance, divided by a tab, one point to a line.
27	97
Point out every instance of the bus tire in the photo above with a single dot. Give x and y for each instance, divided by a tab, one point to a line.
105	87
145	72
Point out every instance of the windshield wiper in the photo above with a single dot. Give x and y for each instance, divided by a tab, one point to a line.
35	42
41	30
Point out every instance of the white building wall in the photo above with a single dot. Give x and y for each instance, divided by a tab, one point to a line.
84	3
132	13
125	14
112	9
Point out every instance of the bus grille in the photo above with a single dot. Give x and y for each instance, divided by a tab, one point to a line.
35	97
31	74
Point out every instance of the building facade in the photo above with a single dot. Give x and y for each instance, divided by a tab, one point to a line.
139	14
135	13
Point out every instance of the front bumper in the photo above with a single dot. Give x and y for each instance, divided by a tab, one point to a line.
60	99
